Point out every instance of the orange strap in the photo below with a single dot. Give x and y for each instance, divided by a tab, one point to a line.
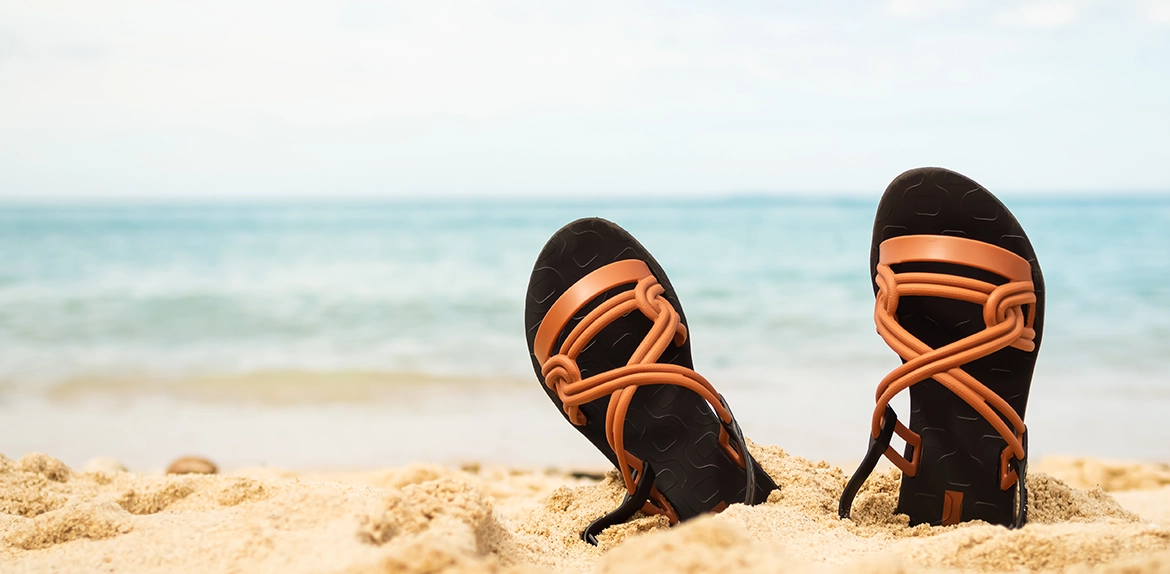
563	375
1006	326
578	295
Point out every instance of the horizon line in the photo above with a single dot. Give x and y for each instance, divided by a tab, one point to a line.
547	198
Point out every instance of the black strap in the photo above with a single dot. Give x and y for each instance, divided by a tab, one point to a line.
1021	468
631	504
749	464
877	447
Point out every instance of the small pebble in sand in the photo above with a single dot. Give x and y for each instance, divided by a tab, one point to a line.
192	465
103	464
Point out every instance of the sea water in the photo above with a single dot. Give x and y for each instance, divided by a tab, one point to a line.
324	334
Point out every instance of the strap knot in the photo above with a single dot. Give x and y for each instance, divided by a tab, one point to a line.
1005	305
887	295
648	294
559	372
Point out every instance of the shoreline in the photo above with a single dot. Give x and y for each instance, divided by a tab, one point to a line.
508	424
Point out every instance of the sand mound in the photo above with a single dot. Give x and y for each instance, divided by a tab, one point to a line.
95	520
428	518
153	496
441	502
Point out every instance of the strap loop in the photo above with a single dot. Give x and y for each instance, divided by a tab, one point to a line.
632	503
1020	470
877	446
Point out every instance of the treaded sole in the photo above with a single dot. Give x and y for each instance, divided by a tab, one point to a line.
960	449
671	427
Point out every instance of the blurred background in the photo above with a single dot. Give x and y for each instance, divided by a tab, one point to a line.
300	233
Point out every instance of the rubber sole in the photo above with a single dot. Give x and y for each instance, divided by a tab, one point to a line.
671	427
960	449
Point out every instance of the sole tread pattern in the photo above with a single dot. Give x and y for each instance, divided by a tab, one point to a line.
960	450
671	427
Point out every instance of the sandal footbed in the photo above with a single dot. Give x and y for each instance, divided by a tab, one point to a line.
960	449
671	427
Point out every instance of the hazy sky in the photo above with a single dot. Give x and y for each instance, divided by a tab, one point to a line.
298	99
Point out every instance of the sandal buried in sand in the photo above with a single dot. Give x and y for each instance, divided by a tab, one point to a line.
960	298
608	340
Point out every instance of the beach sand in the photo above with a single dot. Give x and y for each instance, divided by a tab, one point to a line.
1087	515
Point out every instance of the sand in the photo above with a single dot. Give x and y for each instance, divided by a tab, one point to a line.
1087	515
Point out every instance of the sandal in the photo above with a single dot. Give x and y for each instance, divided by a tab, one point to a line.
608	341
960	298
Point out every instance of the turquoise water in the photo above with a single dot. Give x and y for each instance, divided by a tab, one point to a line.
112	311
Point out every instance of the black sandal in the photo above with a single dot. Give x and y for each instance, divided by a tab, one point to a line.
602	322
960	298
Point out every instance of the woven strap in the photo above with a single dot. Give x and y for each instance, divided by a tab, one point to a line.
564	376
1006	323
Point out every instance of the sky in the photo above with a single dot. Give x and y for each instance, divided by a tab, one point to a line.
303	99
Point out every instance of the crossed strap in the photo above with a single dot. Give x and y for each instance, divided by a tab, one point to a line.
563	375
1006	324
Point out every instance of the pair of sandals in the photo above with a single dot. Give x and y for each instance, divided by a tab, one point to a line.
959	299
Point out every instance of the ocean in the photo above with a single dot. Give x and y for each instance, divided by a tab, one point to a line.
360	334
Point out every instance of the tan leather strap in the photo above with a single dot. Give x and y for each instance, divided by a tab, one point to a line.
1003	317
564	376
958	250
580	293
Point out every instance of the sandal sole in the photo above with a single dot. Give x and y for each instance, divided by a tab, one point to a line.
670	427
960	449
